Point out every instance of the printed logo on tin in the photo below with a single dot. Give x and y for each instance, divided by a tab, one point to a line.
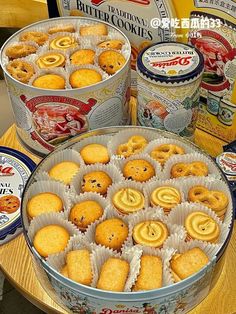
6	171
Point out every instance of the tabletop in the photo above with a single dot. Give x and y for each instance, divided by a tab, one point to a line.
16	261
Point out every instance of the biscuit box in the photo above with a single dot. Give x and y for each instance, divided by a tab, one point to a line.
57	94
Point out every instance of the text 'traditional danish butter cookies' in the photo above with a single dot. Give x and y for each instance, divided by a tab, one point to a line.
96	181
84	77
111	44
63	42
201	226
134	145
188	263
111	61
95	153
166	197
163	152
128	200
43	203
82	56
79	266
150	233
51	60
93	30
69	28
138	170
111	233
216	200
51	239
84	213
9	204
113	275
195	168
50	81
20	50
150	274
64	171
22	71
39	38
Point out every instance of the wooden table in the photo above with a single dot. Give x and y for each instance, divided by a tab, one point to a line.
16	262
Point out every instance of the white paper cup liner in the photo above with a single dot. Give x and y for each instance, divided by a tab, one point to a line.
110	169
103	140
120	163
51	187
122	185
60	156
150	187
123	136
88	196
211	184
179	214
213	170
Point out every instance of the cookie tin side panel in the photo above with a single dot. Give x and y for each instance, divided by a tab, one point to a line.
45	118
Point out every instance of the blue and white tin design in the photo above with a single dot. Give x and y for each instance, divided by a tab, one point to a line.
15	169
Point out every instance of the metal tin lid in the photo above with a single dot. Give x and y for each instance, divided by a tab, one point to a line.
15	169
227	162
170	62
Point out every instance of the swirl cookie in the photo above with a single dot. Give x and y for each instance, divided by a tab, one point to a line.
82	56
195	168
93	30
51	60
111	44
95	153
39	38
43	203
111	233
9	204
150	233
84	77
128	200
188	263
63	42
50	81
22	71
138	170
64	171
20	50
163	152
166	197
216	200
201	226
84	213
96	181
134	145
111	61
69	28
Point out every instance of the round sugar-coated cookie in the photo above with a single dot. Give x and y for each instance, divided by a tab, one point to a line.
64	171
84	77
95	153
50	81
82	56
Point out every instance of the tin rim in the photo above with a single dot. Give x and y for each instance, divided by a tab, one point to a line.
58	91
123	296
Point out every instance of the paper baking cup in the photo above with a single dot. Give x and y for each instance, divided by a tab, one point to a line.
88	196
211	184
213	170
120	163
179	214
123	136
111	170
47	186
60	156
152	213
150	187
103	140
122	185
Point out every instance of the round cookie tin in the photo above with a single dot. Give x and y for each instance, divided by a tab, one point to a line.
180	297
15	169
47	117
169	76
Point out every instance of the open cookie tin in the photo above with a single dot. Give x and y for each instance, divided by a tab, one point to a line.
175	298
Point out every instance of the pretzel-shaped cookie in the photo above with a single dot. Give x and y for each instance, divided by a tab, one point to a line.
134	145
163	152
38	37
216	200
195	168
20	70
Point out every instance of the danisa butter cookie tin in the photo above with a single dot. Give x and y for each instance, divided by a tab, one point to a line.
66	76
169	77
15	169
